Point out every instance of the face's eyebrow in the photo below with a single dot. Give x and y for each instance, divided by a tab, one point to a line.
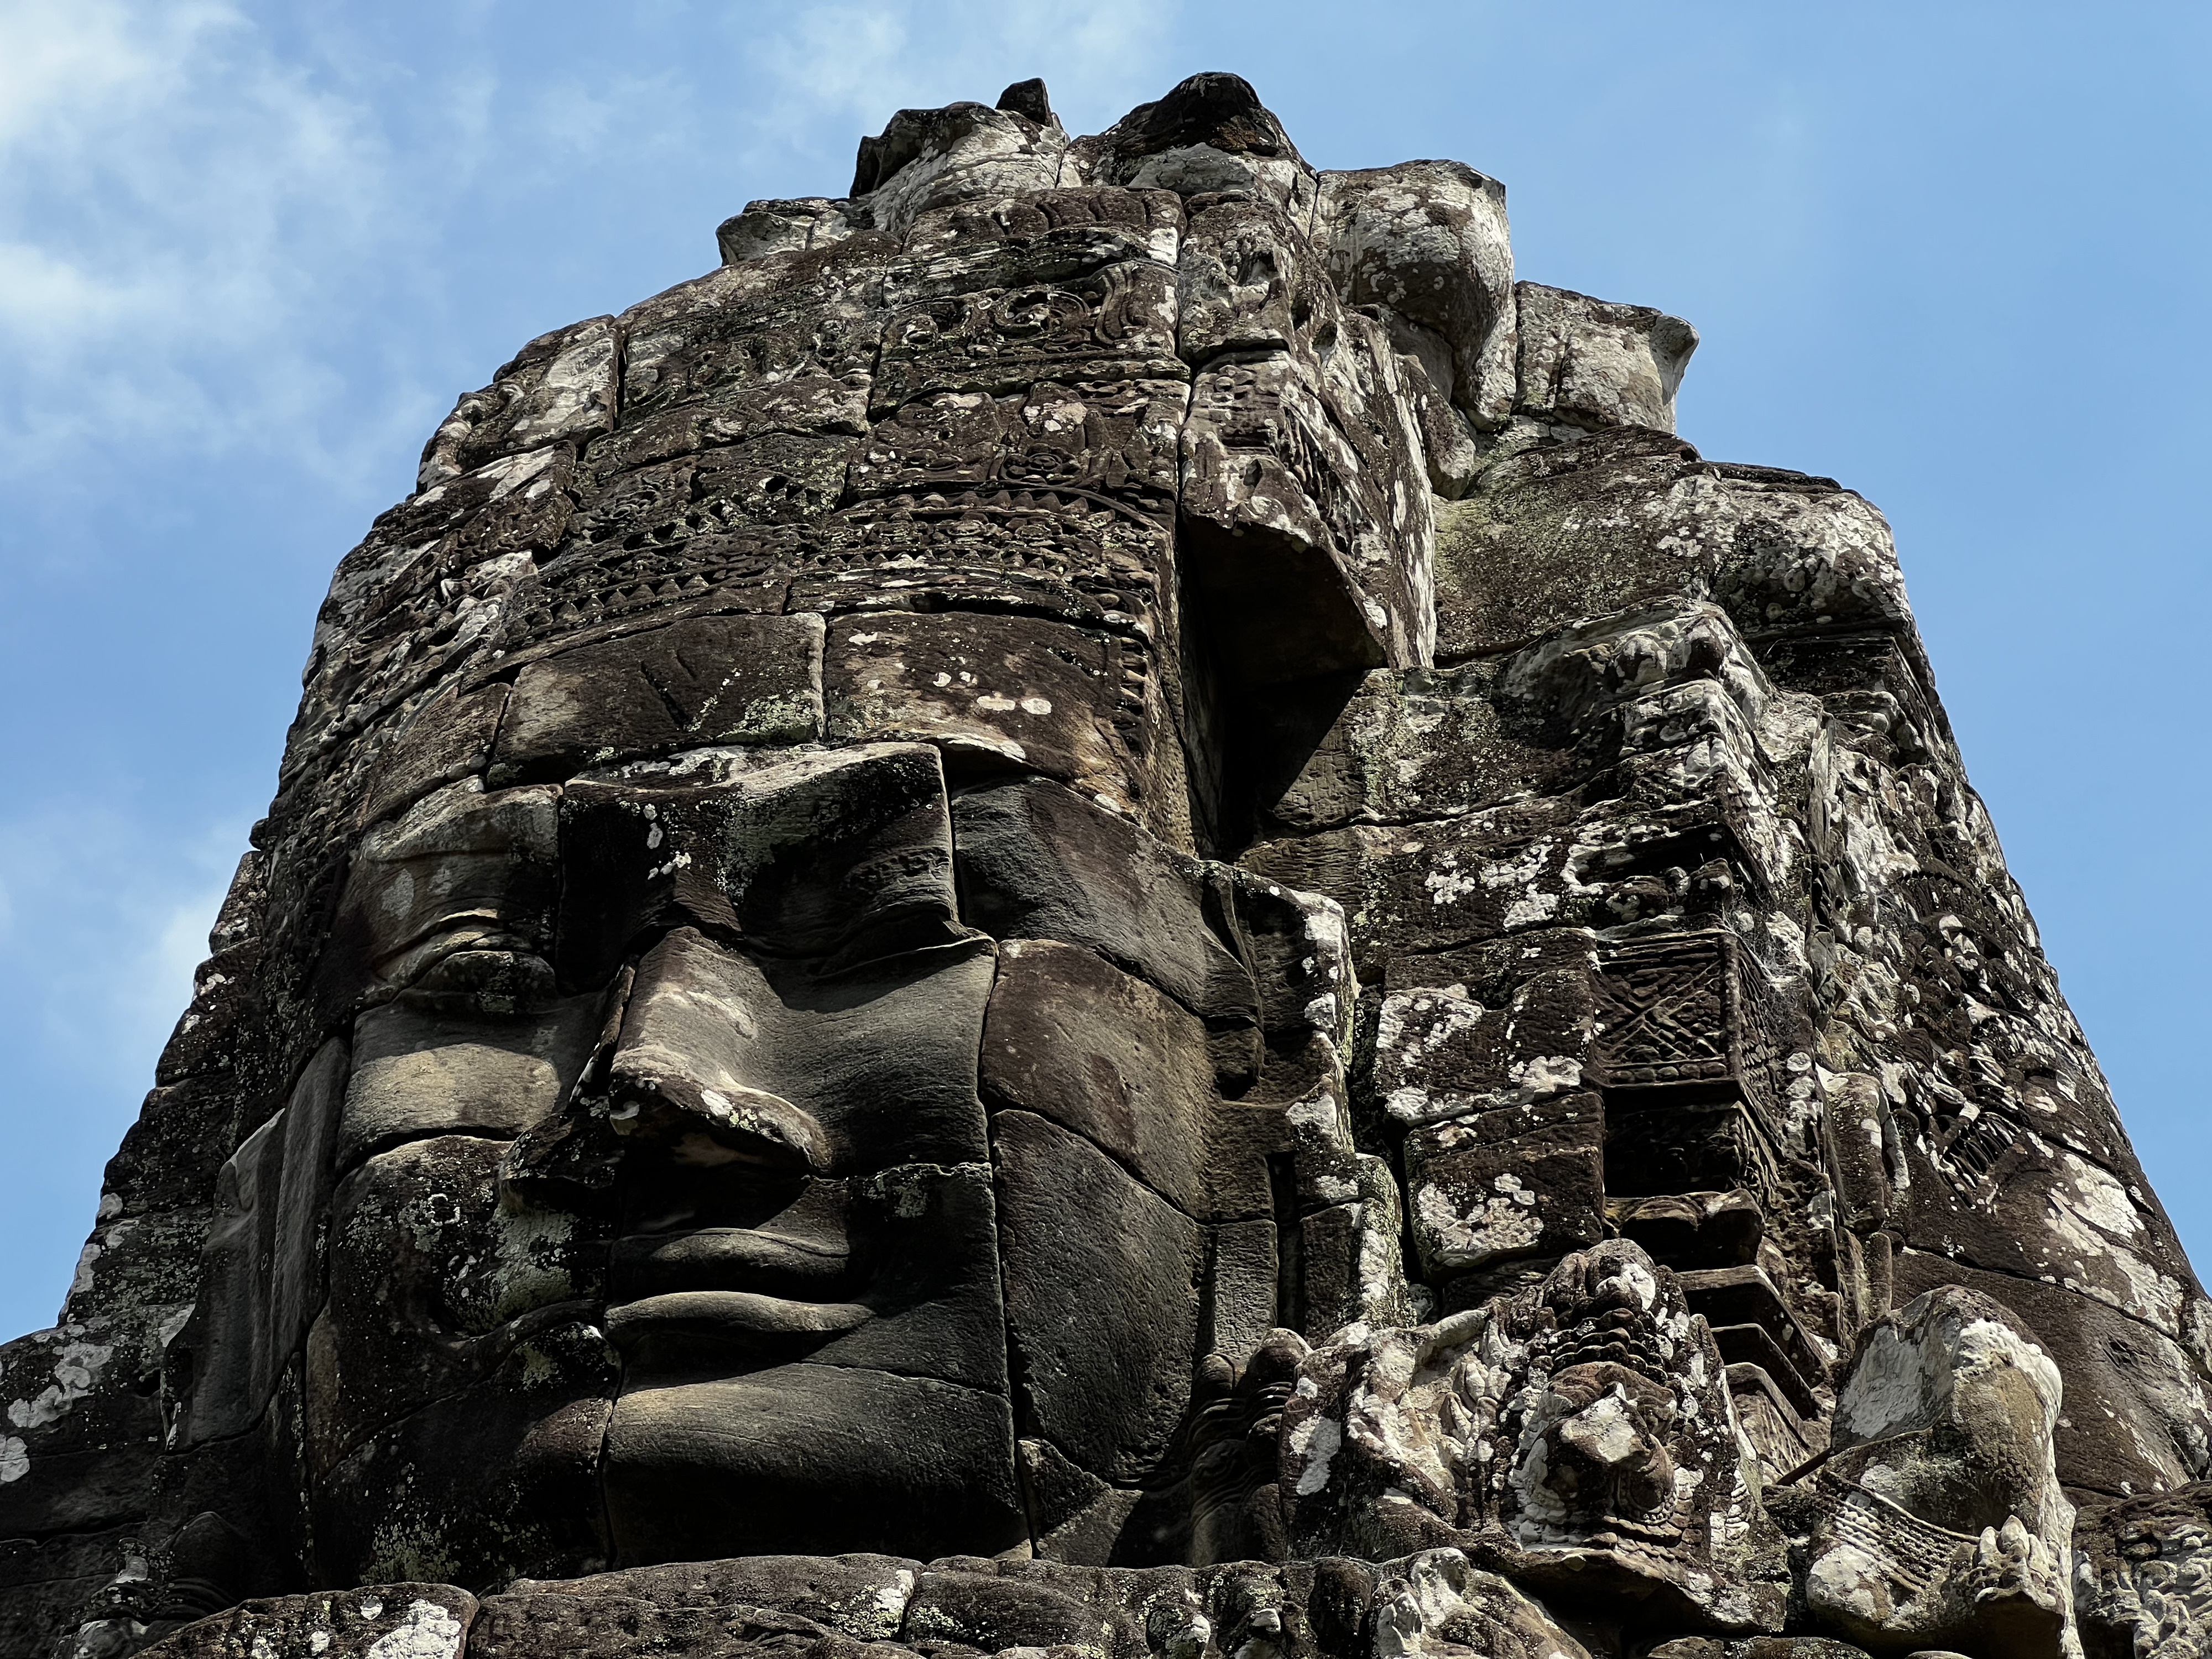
802	856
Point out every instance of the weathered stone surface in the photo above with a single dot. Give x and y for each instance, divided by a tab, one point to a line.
432	1286
262	1268
836	859
1039	861
827	1457
466	877
861	1597
75	1454
2147	1433
501	1474
421	1071
691	685
417	1620
1105	870
1624	516
1308	518
1941	1520
1593	363
1757	1647
1432	1604
560	387
748	347
1436	1603
1578	1429
996	692
1116	437
2140	1588
610	1626
1493	1186
1427	241
1104	1055
932	158
1390	746
1102	1284
449	738
1081	299
1210	134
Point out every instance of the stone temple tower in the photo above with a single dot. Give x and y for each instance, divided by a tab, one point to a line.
1099	909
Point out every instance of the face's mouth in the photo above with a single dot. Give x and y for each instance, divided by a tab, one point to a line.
728	1265
741	1296
740	1325
711	1258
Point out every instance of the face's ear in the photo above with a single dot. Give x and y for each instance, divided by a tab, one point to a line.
259	1283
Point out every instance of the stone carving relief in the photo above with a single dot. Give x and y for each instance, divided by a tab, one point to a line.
1939	1520
1099	907
1577	1432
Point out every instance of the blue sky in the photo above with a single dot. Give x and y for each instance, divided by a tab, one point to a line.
1955	255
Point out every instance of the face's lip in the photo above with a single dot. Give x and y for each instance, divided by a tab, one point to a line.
744	1320
705	1294
726	1259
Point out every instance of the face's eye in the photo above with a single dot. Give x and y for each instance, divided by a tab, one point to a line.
482	984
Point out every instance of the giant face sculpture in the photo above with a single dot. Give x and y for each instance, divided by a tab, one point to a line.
797	1094
769	1149
663	1186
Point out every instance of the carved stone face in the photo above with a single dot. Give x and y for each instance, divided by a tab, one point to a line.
732	1023
1592	1460
1582	1426
691	1169
1594	1422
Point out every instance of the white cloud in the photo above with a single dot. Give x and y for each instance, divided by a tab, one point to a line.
855	63
62	57
169	188
193	204
102	920
838	60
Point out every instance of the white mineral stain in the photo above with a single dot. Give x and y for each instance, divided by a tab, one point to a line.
1535	907
76	1369
1317	1440
430	1632
1491	1227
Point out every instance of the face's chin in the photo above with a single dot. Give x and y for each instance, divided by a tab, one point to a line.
811	1459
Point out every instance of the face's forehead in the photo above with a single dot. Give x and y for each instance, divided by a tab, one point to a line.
831	858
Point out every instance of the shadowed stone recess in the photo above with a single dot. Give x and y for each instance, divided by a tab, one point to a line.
1101	909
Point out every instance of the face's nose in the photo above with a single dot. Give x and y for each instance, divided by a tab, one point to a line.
686	1067
1604	1454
